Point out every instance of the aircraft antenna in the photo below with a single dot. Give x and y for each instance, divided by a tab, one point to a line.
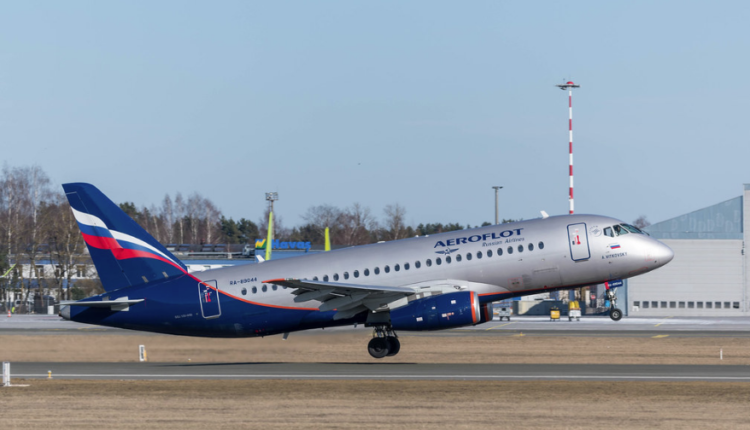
569	86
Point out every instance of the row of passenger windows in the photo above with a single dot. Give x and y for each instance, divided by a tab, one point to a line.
429	262
682	305
417	265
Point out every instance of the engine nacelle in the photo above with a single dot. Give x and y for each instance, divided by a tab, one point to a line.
438	312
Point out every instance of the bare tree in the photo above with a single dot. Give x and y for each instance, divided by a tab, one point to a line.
354	225
641	222
167	216
394	222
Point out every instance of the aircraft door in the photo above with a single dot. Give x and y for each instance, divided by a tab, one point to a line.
578	241
208	295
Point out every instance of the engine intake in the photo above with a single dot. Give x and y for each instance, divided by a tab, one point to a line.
438	312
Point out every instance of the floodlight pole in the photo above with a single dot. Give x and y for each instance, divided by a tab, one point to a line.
497	221
569	86
272	197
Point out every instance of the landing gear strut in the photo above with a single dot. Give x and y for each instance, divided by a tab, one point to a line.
384	342
614	312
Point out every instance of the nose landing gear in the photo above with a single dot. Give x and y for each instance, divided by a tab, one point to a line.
384	342
614	312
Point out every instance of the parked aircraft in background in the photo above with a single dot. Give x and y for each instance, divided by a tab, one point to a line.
423	283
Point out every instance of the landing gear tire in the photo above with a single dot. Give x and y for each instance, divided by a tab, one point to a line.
379	347
615	314
394	346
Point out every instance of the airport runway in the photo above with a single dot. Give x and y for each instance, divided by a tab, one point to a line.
382	371
588	326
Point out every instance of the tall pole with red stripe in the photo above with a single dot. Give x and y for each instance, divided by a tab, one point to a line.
569	86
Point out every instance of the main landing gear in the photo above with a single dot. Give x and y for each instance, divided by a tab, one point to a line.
614	312
384	342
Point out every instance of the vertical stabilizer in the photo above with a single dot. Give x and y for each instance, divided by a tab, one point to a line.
123	252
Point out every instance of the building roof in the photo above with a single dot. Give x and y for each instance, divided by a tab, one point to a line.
720	221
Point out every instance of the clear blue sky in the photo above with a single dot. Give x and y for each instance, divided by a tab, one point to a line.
423	103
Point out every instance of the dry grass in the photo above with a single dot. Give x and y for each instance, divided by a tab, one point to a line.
274	404
351	347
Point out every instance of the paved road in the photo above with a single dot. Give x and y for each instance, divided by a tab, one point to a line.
381	371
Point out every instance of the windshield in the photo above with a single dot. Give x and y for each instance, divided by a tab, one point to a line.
631	228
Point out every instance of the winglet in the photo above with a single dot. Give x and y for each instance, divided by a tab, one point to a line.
545	215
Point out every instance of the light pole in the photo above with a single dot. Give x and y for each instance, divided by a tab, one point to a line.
569	86
496	187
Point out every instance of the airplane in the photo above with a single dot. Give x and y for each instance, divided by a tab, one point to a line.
433	282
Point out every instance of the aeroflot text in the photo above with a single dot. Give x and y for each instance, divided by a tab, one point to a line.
478	237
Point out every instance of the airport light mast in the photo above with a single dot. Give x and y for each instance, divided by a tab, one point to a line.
270	197
569	86
496	214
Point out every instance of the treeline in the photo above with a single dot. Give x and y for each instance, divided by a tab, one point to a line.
37	227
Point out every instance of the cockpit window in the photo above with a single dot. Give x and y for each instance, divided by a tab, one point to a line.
619	230
608	232
631	228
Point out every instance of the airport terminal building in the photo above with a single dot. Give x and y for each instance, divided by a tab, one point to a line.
709	273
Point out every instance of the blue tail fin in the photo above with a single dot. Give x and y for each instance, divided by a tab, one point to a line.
124	253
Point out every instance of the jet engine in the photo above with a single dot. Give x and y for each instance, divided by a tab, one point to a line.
438	312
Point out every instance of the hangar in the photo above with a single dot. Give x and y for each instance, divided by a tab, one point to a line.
708	276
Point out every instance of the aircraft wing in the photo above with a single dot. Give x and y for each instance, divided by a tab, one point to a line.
347	299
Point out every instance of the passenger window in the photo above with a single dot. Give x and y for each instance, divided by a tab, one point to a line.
335	276
479	254
541	245
315	278
274	287
438	261
367	272
346	275
531	247
417	264
608	232
255	290
244	291
397	267
499	251
520	248
265	288
510	250
448	259
387	269
458	257
406	266
428	262
377	270
468	255
356	273
325	278
489	253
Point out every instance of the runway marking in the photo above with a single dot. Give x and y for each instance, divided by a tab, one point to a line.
519	335
381	376
665	320
498	326
660	336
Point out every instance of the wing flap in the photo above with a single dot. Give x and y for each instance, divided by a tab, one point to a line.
347	299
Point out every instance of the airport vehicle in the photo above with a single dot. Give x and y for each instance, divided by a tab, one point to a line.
504	312
423	283
574	311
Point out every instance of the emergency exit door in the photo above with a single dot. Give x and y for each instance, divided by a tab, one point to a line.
208	294
578	240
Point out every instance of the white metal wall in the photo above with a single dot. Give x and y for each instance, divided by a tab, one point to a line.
702	271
